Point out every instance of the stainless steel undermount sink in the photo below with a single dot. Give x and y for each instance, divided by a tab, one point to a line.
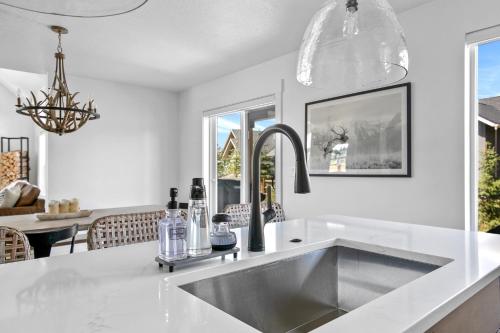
301	293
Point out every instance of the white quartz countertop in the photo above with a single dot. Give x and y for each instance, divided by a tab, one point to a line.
123	290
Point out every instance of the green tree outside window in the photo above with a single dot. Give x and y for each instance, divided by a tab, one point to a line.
489	190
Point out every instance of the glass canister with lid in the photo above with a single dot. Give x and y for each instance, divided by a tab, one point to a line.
222	238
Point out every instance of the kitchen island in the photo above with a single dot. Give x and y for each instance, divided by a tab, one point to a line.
123	290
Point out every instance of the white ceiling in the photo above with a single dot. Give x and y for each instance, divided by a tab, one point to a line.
168	44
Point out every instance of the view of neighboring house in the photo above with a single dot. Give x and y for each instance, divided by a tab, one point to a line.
489	122
229	171
233	144
489	163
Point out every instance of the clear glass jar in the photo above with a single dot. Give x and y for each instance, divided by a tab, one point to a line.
221	235
198	229
172	232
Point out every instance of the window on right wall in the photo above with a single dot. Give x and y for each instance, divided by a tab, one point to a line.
487	139
483	118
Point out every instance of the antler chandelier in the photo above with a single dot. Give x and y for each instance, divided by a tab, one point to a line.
58	111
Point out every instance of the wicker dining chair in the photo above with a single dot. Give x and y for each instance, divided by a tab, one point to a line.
14	246
124	229
240	213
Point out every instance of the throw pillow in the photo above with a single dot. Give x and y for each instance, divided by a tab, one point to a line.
18	183
29	194
9	197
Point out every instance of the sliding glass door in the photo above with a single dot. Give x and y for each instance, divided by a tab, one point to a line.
231	137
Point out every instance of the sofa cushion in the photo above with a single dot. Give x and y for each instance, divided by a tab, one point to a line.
29	194
9	196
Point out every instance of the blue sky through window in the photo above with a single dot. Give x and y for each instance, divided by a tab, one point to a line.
489	69
224	126
232	121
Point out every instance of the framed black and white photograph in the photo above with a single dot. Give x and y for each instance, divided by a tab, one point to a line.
367	134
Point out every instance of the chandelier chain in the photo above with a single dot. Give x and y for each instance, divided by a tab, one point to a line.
59	45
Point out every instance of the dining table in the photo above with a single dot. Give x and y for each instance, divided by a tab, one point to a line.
30	223
35	228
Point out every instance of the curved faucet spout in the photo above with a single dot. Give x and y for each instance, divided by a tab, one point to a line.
256	241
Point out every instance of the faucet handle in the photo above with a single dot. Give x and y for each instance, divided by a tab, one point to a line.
268	215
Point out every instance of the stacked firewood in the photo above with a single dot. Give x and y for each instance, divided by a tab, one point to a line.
10	167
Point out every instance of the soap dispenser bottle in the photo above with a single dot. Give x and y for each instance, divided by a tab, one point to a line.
198	224
172	232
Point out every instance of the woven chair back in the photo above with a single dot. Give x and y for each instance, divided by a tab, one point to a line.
14	246
124	229
240	213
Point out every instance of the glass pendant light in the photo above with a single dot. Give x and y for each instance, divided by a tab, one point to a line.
353	44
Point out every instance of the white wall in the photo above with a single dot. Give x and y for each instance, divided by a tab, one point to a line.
11	123
126	158
435	194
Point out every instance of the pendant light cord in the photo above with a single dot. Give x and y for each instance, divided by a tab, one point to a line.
77	16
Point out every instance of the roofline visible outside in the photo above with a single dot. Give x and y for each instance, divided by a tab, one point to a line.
488	122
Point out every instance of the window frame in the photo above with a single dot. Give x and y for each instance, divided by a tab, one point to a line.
473	41
210	146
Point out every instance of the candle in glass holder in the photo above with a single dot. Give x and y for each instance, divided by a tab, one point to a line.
74	205
64	206
54	207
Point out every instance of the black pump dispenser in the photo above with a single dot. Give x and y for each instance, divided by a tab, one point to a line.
198	189
172	204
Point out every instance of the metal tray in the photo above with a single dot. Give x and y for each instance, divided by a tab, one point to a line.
189	260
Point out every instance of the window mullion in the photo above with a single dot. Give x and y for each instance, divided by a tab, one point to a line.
210	169
244	158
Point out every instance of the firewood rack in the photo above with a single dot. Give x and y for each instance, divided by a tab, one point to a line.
21	144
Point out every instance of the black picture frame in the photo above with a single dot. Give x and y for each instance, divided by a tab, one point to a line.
406	156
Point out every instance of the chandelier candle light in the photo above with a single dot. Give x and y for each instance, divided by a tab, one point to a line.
58	111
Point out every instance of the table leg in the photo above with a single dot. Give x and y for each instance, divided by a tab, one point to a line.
42	251
41	247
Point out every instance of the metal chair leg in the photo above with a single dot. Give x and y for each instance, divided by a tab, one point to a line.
72	245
